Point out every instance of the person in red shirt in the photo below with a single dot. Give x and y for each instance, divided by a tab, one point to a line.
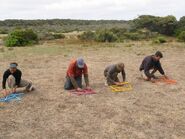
76	69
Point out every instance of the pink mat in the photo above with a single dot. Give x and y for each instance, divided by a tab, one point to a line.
83	92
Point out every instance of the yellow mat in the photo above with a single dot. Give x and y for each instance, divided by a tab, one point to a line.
125	86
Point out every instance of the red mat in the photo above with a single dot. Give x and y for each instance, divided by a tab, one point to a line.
83	92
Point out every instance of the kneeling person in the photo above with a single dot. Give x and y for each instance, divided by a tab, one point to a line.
12	79
76	69
111	74
152	62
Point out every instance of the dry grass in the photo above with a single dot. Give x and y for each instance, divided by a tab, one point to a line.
148	112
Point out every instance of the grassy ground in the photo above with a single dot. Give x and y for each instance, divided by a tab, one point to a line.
150	111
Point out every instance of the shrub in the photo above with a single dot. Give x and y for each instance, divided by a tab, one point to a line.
118	31
160	40
106	36
181	36
21	38
87	36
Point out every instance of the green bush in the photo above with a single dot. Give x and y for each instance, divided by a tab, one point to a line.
117	34
106	36
87	36
160	40
21	38
118	31
181	36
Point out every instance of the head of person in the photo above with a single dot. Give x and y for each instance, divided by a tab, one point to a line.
120	66
158	55
13	67
80	63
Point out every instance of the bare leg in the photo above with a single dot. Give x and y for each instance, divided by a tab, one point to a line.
143	76
154	71
25	86
11	81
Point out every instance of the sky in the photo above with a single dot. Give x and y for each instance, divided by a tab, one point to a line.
89	9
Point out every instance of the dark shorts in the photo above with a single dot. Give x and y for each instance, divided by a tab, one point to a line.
114	77
68	84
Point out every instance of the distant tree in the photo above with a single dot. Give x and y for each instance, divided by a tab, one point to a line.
180	26
164	25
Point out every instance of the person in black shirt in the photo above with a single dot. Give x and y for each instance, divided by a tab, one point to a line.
152	63
12	79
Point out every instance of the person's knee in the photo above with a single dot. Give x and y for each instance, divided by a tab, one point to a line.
11	77
66	88
11	81
68	85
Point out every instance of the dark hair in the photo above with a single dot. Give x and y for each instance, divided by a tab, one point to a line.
14	63
159	54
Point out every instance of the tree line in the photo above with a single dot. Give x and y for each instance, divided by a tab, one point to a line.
144	27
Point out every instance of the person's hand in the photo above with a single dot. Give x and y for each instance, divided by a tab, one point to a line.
166	77
88	88
79	89
5	92
14	90
118	83
153	80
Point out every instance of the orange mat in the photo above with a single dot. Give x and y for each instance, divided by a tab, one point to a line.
164	80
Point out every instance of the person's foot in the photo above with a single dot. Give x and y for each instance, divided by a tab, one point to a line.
106	84
30	87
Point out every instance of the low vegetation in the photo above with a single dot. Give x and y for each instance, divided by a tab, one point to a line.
21	38
87	36
117	35
160	40
145	27
181	36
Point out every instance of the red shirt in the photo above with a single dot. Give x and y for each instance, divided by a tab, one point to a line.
74	71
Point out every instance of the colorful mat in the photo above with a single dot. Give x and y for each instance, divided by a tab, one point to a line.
12	97
83	92
166	81
124	87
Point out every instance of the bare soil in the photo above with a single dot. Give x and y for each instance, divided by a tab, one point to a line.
150	111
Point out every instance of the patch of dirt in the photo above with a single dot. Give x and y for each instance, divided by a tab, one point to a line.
150	111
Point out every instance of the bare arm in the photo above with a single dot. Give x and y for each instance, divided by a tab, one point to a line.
123	75
86	78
